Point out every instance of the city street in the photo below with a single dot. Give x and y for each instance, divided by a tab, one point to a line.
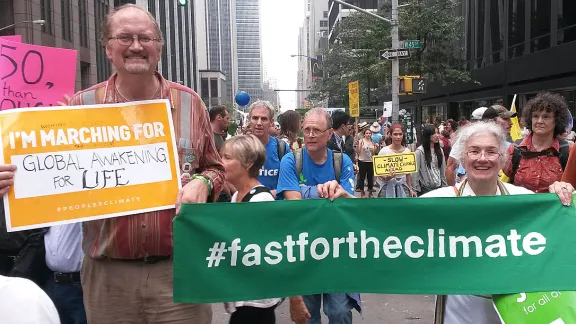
378	309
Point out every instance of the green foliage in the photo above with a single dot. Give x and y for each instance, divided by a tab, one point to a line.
355	54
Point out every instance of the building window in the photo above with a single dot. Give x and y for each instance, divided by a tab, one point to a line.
46	13
173	32
325	14
189	49
164	59
323	23
497	21
205	90
214	88
85	75
540	25
83	22
516	28
67	18
566	21
152	8
103	67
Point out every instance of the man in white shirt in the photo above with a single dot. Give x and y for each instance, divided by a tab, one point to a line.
23	302
64	258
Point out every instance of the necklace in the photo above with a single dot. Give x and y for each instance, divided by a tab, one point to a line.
126	99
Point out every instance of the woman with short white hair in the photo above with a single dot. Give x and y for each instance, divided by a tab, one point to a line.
481	148
243	156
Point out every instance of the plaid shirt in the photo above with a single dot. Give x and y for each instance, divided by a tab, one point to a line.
151	234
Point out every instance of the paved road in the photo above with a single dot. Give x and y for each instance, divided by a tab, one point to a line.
378	309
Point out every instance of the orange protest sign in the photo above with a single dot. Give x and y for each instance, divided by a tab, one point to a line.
88	162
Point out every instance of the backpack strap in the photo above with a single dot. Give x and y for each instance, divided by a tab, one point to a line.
516	157
564	153
281	149
298	160
337	161
254	192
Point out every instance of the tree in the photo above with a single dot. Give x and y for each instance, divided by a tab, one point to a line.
355	53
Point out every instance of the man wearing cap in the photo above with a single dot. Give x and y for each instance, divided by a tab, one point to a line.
496	113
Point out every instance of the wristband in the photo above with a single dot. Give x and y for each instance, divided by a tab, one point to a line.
207	181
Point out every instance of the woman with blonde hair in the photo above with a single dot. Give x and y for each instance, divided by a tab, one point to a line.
243	156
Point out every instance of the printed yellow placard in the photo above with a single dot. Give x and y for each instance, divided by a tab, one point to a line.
354	98
404	163
88	162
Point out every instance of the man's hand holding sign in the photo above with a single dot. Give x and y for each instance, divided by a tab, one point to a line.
71	153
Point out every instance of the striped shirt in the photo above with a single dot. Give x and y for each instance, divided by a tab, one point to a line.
150	234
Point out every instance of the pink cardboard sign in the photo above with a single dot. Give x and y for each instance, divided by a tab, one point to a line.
13	38
35	76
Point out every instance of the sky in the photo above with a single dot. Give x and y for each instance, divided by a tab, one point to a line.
280	21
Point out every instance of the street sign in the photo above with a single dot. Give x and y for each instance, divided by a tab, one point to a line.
354	98
419	85
389	54
412	43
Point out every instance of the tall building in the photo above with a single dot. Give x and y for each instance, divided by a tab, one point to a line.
513	47
249	48
221	42
72	24
177	23
312	41
337	12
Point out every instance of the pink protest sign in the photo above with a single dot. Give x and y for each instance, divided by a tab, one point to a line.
13	38
35	76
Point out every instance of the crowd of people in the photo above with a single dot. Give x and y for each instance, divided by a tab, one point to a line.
120	269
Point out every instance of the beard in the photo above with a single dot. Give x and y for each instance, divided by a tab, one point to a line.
137	68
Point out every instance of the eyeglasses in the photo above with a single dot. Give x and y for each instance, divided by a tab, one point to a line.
313	131
489	155
127	40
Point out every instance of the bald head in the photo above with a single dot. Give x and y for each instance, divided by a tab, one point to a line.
106	28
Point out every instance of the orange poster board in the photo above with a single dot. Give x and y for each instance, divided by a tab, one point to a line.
88	162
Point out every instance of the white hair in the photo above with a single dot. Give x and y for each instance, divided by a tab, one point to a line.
479	128
263	104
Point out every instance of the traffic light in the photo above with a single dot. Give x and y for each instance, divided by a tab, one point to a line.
410	84
307	104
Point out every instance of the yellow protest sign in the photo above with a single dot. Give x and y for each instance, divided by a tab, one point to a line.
88	162
354	98
404	163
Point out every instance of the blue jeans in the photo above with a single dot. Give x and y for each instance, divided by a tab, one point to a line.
337	307
68	299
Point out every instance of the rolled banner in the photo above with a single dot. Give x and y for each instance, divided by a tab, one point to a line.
552	307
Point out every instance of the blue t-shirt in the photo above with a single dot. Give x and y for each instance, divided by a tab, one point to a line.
313	174
269	172
376	138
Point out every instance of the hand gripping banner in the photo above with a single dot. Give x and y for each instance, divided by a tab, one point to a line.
465	245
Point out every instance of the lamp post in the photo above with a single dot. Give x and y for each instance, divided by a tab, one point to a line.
35	22
395	45
312	59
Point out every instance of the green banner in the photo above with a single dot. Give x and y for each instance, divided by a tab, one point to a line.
553	307
466	245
